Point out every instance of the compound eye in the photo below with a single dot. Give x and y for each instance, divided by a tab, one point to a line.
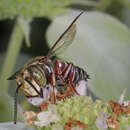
38	76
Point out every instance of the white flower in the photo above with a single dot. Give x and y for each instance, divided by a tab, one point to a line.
81	88
101	122
77	128
57	127
29	116
45	118
122	96
126	103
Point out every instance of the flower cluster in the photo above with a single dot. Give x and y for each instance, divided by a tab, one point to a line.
81	113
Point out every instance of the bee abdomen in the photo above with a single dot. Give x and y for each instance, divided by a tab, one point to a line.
80	74
69	71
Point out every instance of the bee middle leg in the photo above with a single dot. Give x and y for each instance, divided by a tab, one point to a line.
52	92
71	85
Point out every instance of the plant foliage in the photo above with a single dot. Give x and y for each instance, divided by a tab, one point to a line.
31	8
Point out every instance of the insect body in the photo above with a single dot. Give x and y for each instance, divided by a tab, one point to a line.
68	74
44	79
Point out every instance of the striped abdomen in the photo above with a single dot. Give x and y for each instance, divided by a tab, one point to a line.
69	72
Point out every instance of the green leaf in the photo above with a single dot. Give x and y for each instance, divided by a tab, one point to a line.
25	27
125	14
7	108
86	3
126	3
101	47
103	4
99	5
21	60
32	8
15	44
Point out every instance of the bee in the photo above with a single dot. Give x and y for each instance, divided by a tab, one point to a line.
44	79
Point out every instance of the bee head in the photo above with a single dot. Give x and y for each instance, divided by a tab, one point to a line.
30	79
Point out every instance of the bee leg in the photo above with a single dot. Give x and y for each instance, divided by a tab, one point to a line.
52	92
44	106
52	97
70	78
41	92
61	76
73	87
15	104
70	84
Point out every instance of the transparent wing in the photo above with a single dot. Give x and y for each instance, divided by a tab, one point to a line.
65	39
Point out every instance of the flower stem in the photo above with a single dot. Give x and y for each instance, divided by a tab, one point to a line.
11	55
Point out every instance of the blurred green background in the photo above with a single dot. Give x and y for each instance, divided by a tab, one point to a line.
101	45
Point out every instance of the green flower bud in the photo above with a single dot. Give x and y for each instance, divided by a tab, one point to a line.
93	115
